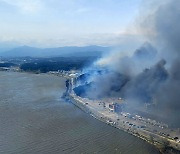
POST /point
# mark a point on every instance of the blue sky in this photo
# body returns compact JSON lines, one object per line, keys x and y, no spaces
{"x":66,"y":22}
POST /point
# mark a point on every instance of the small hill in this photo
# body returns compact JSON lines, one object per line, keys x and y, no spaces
{"x":25,"y":51}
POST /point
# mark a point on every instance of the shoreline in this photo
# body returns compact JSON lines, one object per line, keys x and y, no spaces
{"x":86,"y":110}
{"x":144,"y":135}
{"x":46,"y":116}
{"x":153,"y":139}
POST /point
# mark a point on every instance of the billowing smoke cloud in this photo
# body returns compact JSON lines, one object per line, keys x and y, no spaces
{"x":148,"y":76}
{"x":130,"y":65}
{"x":167,"y":28}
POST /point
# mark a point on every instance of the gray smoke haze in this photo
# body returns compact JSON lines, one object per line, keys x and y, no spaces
{"x":167,"y":28}
{"x":153,"y":71}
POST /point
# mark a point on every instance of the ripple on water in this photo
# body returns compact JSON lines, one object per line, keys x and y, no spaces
{"x":34,"y":120}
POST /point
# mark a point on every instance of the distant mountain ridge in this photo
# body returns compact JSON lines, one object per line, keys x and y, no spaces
{"x":25,"y":51}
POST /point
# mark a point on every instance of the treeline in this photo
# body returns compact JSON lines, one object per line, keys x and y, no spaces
{"x":44,"y":65}
{"x":7,"y":64}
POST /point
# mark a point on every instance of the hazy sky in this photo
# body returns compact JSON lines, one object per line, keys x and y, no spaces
{"x":66,"y":22}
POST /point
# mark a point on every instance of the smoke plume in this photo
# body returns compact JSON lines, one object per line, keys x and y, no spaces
{"x":152,"y":73}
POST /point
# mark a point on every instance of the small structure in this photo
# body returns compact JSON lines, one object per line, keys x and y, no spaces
{"x":115,"y":107}
{"x":111,"y":107}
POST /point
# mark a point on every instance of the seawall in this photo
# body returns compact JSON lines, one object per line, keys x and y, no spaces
{"x":164,"y":145}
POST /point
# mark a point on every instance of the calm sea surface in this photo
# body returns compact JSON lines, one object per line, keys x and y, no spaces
{"x":34,"y":120}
